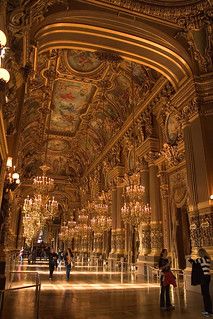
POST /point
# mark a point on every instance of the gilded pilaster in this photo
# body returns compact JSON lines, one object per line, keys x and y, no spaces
{"x":156,"y":223}
{"x":144,"y":228}
{"x":164,"y":192}
{"x":156,"y":219}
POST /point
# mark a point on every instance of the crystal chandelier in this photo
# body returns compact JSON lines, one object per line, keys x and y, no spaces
{"x":43,"y":184}
{"x":135,"y":213}
{"x":83,"y":228}
{"x":37,"y":211}
{"x":134,"y":190}
{"x":101,"y":223}
{"x":64,"y":233}
{"x":32,"y":226}
{"x":40,"y":206}
{"x":134,"y":210}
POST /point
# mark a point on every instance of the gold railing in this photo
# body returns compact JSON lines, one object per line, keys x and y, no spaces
{"x":37,"y":285}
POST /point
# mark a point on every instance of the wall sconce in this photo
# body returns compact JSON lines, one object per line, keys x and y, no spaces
{"x":12,"y":179}
{"x":3,"y":39}
{"x":4,"y":74}
{"x":211,"y":200}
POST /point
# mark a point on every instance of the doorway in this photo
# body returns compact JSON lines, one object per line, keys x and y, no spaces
{"x":183,"y":242}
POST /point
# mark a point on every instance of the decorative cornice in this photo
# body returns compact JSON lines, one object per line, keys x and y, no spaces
{"x":160,"y":10}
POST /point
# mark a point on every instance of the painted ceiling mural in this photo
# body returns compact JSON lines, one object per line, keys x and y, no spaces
{"x":82,"y":61}
{"x":90,"y":100}
{"x":70,"y":100}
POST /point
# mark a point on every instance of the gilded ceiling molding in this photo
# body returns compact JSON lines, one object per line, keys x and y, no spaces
{"x":143,"y":45}
{"x":162,"y":10}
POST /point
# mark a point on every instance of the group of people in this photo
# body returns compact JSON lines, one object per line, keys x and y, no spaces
{"x":167,"y":278}
{"x":55,"y":261}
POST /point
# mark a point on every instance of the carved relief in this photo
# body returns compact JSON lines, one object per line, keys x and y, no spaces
{"x":195,"y":231}
{"x":198,"y":34}
{"x":172,"y":154}
{"x":145,"y":239}
{"x":179,"y":188}
{"x":156,"y":236}
{"x":206,"y":230}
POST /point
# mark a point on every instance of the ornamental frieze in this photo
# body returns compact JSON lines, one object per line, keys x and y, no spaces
{"x":149,"y":8}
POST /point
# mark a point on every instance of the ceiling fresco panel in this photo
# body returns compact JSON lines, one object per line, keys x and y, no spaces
{"x":57,"y":145}
{"x":82,"y":61}
{"x":70,"y":101}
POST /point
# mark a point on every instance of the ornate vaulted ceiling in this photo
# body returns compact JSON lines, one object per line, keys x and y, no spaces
{"x":84,"y":70}
{"x":88,"y":100}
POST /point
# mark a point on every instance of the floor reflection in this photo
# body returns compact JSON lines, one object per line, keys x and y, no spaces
{"x":91,"y":295}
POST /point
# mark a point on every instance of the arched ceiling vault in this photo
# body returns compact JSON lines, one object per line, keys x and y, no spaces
{"x":80,"y":103}
{"x":91,"y":30}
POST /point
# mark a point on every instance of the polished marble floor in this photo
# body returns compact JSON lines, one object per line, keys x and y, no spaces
{"x":92,"y":294}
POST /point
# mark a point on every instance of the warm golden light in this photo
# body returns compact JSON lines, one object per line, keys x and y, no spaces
{"x":4,"y":75}
{"x":3,"y":39}
{"x":9,"y":162}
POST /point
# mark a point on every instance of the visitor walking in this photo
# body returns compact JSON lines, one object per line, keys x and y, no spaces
{"x":68,"y":259}
{"x":52,"y":262}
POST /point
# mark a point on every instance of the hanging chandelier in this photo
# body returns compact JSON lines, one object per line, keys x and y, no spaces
{"x":43,"y":184}
{"x":37,"y":211}
{"x":134,"y":210}
{"x":135,"y":213}
{"x":134,"y":190}
{"x":41,"y":206}
{"x":101,"y":223}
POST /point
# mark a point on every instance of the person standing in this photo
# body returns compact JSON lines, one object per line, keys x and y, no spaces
{"x":52,"y":262}
{"x":68,"y":258}
{"x":164,"y":266}
{"x":205,"y":262}
{"x":21,"y":253}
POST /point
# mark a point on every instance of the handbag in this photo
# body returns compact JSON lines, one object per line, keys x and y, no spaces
{"x":169,"y":278}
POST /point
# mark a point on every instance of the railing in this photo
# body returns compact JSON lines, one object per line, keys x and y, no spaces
{"x":154,"y":273}
{"x":36,"y":285}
